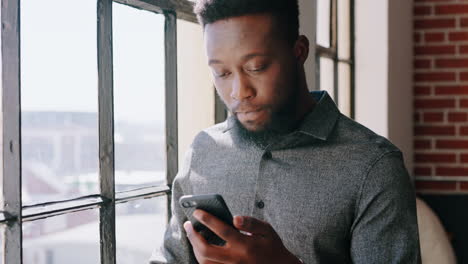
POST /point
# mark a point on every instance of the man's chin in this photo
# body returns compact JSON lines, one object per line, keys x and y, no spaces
{"x":253,"y":127}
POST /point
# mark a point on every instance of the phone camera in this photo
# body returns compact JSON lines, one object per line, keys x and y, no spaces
{"x":186,"y":205}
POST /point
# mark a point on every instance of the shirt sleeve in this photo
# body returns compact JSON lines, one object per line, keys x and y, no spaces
{"x":385,"y":228}
{"x":176,"y":248}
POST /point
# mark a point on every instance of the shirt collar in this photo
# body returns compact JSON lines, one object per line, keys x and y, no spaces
{"x":318,"y":123}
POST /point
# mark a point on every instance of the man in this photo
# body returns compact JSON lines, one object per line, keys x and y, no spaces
{"x":309,"y":184}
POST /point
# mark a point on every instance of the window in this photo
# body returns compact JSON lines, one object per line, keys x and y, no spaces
{"x":335,"y":52}
{"x":90,"y":128}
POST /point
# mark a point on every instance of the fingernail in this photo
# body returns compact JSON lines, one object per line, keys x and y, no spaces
{"x":240,"y":220}
{"x":196,"y":214}
{"x":187,"y":228}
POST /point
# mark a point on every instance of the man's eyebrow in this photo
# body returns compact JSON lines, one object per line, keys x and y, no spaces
{"x":256,"y":54}
{"x":245,"y":57}
{"x":213,"y":61}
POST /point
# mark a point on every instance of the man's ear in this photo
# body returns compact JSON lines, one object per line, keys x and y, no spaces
{"x":301,"y":49}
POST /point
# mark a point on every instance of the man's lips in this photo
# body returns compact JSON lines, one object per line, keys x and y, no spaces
{"x":251,"y":115}
{"x":248,"y":111}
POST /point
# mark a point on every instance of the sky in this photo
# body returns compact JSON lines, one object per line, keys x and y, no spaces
{"x":59,"y":59}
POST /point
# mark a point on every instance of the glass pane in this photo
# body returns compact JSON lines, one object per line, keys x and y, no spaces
{"x":323,"y":22}
{"x":139,"y":97}
{"x":344,"y":29}
{"x":70,"y":238}
{"x":58,"y":99}
{"x":344,"y":88}
{"x":327,"y":76}
{"x":140,"y":227}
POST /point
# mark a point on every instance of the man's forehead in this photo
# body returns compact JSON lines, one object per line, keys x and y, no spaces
{"x":239,"y":32}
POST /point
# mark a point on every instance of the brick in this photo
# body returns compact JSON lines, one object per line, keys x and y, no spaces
{"x":451,"y":9}
{"x":422,"y":171}
{"x":422,"y":144}
{"x":451,"y":90}
{"x":422,"y":90}
{"x":451,"y":171}
{"x":435,"y":158}
{"x":434,"y":37}
{"x":458,"y":36}
{"x":416,"y":37}
{"x":434,"y":130}
{"x":435,"y":50}
{"x":464,"y":103}
{"x":434,"y":76}
{"x":422,"y":64}
{"x":464,"y":22}
{"x":464,"y":186}
{"x":463,"y":49}
{"x":416,"y":117}
{"x":464,"y":76}
{"x":434,"y":103}
{"x":435,"y":185}
{"x":464,"y":158}
{"x":464,"y":131}
{"x":457,"y":117}
{"x":433,"y":117}
{"x":434,"y":23}
{"x":452,"y":144}
{"x":452,"y":63}
{"x":422,"y":10}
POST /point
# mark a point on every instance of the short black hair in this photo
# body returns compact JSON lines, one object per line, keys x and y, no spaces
{"x":286,"y":12}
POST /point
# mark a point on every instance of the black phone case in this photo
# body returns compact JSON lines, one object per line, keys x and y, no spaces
{"x":211,"y":203}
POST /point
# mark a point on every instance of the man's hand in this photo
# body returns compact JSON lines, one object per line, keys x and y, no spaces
{"x":261,"y":246}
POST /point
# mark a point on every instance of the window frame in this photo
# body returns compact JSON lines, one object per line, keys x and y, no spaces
{"x":332,"y":53}
{"x":13,"y":214}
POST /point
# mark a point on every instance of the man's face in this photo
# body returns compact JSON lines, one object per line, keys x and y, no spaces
{"x":254,"y":69}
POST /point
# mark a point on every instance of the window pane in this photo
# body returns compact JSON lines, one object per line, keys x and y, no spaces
{"x":58,"y":99}
{"x":70,"y":238}
{"x":138,"y":97}
{"x":323,"y":22}
{"x":344,"y":88}
{"x":344,"y":29}
{"x":327,"y":76}
{"x":140,"y":227}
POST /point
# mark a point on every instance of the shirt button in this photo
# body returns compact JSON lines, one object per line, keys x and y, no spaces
{"x":267,"y":155}
{"x":260,"y":204}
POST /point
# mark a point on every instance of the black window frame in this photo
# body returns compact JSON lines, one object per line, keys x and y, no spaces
{"x":331,"y":52}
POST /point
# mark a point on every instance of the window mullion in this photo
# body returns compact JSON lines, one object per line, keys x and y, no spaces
{"x":170,"y":31}
{"x":106,"y":132}
{"x":11,"y":105}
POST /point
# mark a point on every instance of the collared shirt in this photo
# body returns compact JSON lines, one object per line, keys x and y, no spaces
{"x":333,"y":190}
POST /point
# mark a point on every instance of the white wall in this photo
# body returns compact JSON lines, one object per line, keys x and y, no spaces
{"x":195,"y":88}
{"x":384,"y":70}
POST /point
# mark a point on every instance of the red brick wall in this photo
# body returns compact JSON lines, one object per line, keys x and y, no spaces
{"x":441,"y":95}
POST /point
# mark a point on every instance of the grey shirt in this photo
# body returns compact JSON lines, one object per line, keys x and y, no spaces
{"x":334,"y":191}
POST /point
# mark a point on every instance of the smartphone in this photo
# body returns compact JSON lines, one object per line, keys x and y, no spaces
{"x":211,"y":203}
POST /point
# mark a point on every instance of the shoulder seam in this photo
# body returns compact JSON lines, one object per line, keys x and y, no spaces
{"x":364,"y":179}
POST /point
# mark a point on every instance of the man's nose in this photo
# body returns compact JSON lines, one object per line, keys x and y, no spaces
{"x":242,"y":89}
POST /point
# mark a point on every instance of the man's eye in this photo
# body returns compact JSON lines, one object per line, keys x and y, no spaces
{"x":258,"y":69}
{"x":221,"y":75}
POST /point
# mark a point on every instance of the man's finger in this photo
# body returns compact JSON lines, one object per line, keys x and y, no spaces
{"x":201,"y":247}
{"x":223,"y":230}
{"x":254,"y":226}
